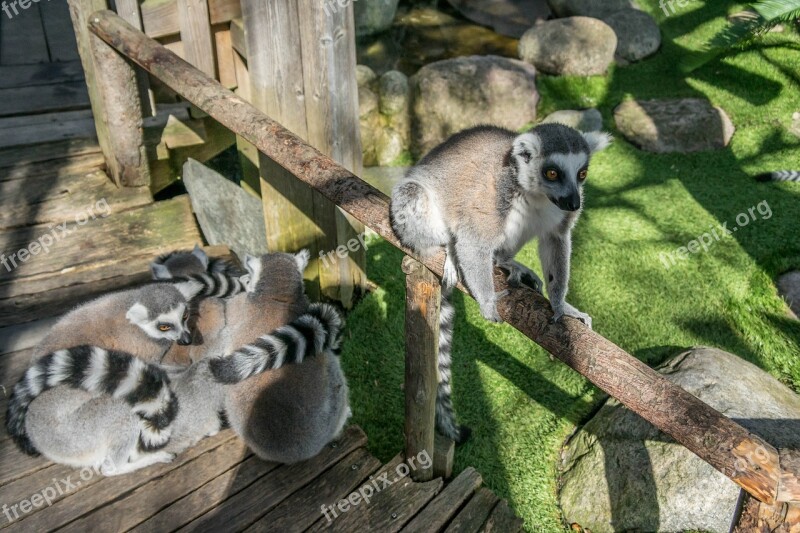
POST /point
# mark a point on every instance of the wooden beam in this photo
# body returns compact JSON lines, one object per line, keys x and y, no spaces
{"x":745,"y":458}
{"x":114,"y":96}
{"x":132,"y":13}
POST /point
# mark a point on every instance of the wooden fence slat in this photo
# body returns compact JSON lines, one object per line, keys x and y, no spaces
{"x":745,"y":458}
{"x":198,"y":43}
{"x":438,"y":513}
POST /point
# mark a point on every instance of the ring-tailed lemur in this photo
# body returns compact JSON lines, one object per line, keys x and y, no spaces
{"x":779,"y":175}
{"x":167,"y":415}
{"x":184,"y":263}
{"x":483,"y":194}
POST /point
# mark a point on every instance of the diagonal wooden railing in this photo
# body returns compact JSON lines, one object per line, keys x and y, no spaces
{"x":768,"y":474}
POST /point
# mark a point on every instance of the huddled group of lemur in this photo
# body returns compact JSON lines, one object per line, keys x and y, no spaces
{"x":135,"y":377}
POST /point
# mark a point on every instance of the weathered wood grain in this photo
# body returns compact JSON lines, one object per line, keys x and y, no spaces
{"x":64,"y":157}
{"x":61,"y":45}
{"x":423,"y":298}
{"x":22,"y":39}
{"x":160,"y":17}
{"x":195,"y":29}
{"x":225,"y":68}
{"x":23,"y":76}
{"x":703,"y":430}
{"x":502,"y":520}
{"x":244,"y":508}
{"x":56,"y":129}
{"x":43,"y":98}
{"x":132,"y":13}
{"x":443,"y":507}
{"x":474,"y":514}
{"x":208,"y":496}
{"x":302,"y":509}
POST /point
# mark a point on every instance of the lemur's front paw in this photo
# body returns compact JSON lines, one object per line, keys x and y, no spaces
{"x":568,"y":310}
{"x":489,"y":309}
{"x":519,"y":274}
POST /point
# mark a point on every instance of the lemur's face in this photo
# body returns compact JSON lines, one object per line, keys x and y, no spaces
{"x":171,"y":325}
{"x":553,"y":160}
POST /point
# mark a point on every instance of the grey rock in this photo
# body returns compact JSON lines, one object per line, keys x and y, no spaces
{"x":578,"y":46}
{"x":394,"y":93}
{"x":674,"y":125}
{"x":583,"y":120}
{"x":638,"y":35}
{"x":389,"y":146}
{"x":365,"y":76}
{"x":619,"y":473}
{"x":506,"y":17}
{"x":589,"y":8}
{"x":227,"y":213}
{"x":373,"y":16}
{"x":789,"y":289}
{"x":451,"y":95}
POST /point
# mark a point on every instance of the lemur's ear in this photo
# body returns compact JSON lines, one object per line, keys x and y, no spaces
{"x":189,"y":289}
{"x":253,"y":266}
{"x":137,"y":314}
{"x":597,"y":140}
{"x":160,"y":271}
{"x":302,"y":257}
{"x":526,"y":147}
{"x":200,"y":255}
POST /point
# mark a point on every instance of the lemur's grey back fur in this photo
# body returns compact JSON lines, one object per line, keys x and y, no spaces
{"x":779,"y":175}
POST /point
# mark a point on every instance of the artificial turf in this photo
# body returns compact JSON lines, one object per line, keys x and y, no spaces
{"x":520,"y":404}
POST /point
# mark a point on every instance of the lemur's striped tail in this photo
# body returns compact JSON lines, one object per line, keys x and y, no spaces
{"x":779,"y":175}
{"x":445,"y":414}
{"x":216,"y":284}
{"x":315,"y":332}
{"x":143,"y":386}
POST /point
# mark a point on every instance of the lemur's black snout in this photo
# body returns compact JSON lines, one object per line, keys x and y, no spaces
{"x":186,"y":339}
{"x":570,"y":202}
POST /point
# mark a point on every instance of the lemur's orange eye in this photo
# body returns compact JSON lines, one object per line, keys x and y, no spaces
{"x":551,"y":174}
{"x":164,"y":327}
{"x":582,"y":174}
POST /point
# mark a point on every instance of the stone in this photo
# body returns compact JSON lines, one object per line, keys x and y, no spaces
{"x":577,"y":46}
{"x":227,"y":214}
{"x":394,"y":93}
{"x":365,"y":76}
{"x":583,"y":120}
{"x":373,"y":16}
{"x":674,"y":125}
{"x":794,"y":129}
{"x":637,"y":32}
{"x":390,"y":146}
{"x":506,"y":17}
{"x":455,"y":94}
{"x":789,"y":289}
{"x":619,"y":473}
{"x":589,"y":8}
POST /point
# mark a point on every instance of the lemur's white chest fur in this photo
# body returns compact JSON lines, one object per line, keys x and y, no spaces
{"x":530,"y":216}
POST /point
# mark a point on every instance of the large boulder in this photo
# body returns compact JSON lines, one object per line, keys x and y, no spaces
{"x":373,"y":16}
{"x":619,"y":473}
{"x":589,"y":8}
{"x":674,"y":125}
{"x":583,"y":120}
{"x":579,"y":46}
{"x":638,"y":35}
{"x":451,"y":95}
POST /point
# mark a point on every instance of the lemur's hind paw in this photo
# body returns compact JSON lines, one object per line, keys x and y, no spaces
{"x":519,"y":274}
{"x":574,"y":313}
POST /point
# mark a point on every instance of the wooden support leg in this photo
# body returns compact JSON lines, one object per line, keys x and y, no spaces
{"x":423,"y":299}
{"x":114,"y":95}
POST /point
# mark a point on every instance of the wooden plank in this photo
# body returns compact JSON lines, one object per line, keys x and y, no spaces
{"x":198,"y":43}
{"x":474,"y":514}
{"x":438,"y":512}
{"x":238,"y":40}
{"x":24,"y":161}
{"x":208,"y":496}
{"x":225,"y":67}
{"x":155,"y":495}
{"x":98,"y":490}
{"x":58,"y":31}
{"x":397,"y":501}
{"x":160,"y":17}
{"x":16,"y":76}
{"x":114,"y":96}
{"x":44,"y":98}
{"x":502,"y":520}
{"x":56,"y":130}
{"x":22,"y":38}
{"x":76,"y":270}
{"x":302,"y":508}
{"x":244,"y":508}
{"x":45,"y":199}
{"x":720,"y":441}
{"x":79,"y":164}
{"x":44,"y":120}
{"x":17,"y":464}
{"x":423,"y":298}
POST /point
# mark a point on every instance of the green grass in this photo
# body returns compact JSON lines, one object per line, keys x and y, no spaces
{"x":521,"y":405}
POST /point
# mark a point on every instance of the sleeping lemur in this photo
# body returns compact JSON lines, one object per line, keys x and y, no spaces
{"x":482,"y":195}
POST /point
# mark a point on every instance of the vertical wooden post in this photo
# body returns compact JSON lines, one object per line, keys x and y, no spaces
{"x":114,"y":96}
{"x":301,"y":62}
{"x":132,"y":13}
{"x":423,"y":303}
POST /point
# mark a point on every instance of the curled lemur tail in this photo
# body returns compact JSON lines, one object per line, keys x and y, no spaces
{"x":779,"y":175}
{"x":143,"y":386}
{"x":215,"y":284}
{"x":445,"y":414}
{"x":316,"y":331}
